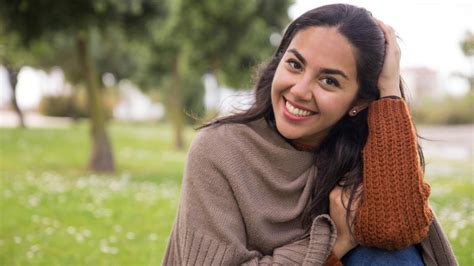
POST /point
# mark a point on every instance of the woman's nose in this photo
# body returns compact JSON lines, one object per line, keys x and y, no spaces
{"x":302,"y":90}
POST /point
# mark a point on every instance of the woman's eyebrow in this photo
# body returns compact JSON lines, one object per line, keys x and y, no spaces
{"x":298,"y":55}
{"x":329,"y":71}
{"x":334,"y":72}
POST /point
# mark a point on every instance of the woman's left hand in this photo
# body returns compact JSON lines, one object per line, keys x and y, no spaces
{"x":389,"y":79}
{"x":338,"y":201}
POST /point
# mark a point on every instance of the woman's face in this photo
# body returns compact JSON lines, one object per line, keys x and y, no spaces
{"x":315,"y":84}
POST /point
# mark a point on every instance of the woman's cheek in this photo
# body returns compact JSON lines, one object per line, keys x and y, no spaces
{"x":331,"y":103}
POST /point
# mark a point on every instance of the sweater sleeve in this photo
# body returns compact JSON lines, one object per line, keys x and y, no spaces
{"x":209,"y":228}
{"x":394,"y":212}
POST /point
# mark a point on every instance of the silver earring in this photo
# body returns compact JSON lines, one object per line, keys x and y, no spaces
{"x":354,"y":112}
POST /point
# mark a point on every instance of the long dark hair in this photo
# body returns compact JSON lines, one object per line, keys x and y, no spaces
{"x":339,"y":157}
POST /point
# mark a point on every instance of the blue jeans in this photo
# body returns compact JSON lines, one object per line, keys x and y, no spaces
{"x":374,"y":256}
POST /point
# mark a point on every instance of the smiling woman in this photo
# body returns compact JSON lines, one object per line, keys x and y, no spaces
{"x":324,"y":167}
{"x":315,"y":84}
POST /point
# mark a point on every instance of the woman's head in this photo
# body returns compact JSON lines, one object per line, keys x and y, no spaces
{"x":327,"y":65}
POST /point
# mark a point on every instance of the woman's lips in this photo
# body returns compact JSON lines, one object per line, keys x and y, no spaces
{"x":298,"y":106}
{"x":290,"y":115}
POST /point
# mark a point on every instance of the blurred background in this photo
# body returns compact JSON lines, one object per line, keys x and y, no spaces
{"x":98,"y":101}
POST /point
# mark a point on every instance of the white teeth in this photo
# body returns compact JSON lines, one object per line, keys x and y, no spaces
{"x":296,"y":111}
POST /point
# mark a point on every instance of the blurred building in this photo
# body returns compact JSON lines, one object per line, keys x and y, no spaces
{"x":33,"y":84}
{"x":225,"y":100}
{"x":134,"y":105}
{"x":422,"y":82}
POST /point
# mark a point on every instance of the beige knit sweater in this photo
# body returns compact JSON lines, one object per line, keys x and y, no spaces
{"x":243,"y":194}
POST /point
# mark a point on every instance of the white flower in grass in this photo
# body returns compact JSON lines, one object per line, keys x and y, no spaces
{"x":30,"y":254}
{"x":130,"y":235}
{"x":113,"y":239}
{"x":7,"y":194}
{"x":453,"y":234}
{"x":17,"y":239}
{"x":33,"y":201}
{"x":105,"y":248}
{"x":81,"y":183}
{"x":152,"y":237}
{"x":35,"y":248}
{"x":117,"y":185}
{"x":45,"y":221}
{"x":79,"y":238}
{"x":86,"y":233}
{"x":35,"y":218}
{"x":118,"y":228}
{"x":71,"y":230}
{"x":49,"y":231}
{"x":113,"y":250}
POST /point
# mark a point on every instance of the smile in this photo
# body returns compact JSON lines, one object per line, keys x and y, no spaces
{"x":295,"y":111}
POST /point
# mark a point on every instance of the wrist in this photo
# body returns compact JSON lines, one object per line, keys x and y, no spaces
{"x":341,"y":247}
{"x":390,"y":92}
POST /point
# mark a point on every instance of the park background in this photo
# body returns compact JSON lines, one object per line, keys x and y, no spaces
{"x":98,"y":101}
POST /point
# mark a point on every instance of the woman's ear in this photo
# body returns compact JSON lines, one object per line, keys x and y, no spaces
{"x":358,"y":106}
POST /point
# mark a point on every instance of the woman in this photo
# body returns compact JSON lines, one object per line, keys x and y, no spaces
{"x":278,"y":184}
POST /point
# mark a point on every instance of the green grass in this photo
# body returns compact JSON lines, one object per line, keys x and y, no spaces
{"x":55,"y":212}
{"x":452,"y":199}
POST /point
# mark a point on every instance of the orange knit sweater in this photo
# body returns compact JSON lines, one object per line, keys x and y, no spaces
{"x":394,"y":212}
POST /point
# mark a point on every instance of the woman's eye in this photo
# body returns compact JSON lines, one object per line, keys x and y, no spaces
{"x":294,"y":64}
{"x":330,"y":81}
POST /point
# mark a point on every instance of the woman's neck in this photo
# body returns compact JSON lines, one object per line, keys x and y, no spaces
{"x":302,"y":146}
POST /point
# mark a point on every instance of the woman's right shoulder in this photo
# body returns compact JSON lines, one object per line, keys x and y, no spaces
{"x":215,"y":139}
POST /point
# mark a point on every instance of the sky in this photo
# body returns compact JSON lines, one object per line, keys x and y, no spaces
{"x":430,"y":30}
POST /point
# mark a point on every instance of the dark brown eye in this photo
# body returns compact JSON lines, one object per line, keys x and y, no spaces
{"x":330,"y":82}
{"x":294,"y":64}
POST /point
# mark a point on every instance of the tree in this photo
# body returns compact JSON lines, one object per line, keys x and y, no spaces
{"x":467,"y":47}
{"x":13,"y":57}
{"x":77,"y":20}
{"x":225,"y":38}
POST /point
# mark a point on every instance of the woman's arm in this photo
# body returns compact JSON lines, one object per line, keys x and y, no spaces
{"x":209,"y":228}
{"x":394,"y":212}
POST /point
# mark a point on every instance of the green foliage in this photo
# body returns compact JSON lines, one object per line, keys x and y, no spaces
{"x":76,"y":105}
{"x":226,"y":39}
{"x":449,"y":111}
{"x":467,"y":44}
{"x":33,"y":19}
{"x":62,"y":106}
{"x":47,"y":32}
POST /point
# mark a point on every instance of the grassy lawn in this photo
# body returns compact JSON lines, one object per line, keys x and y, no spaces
{"x":54,"y":212}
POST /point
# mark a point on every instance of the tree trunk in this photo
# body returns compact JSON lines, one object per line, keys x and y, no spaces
{"x":175,"y":106}
{"x":101,"y":159}
{"x":13,"y":76}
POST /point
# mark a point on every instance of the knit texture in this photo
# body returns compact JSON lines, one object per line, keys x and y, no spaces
{"x":244,"y":190}
{"x":243,"y":193}
{"x":395,"y":212}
